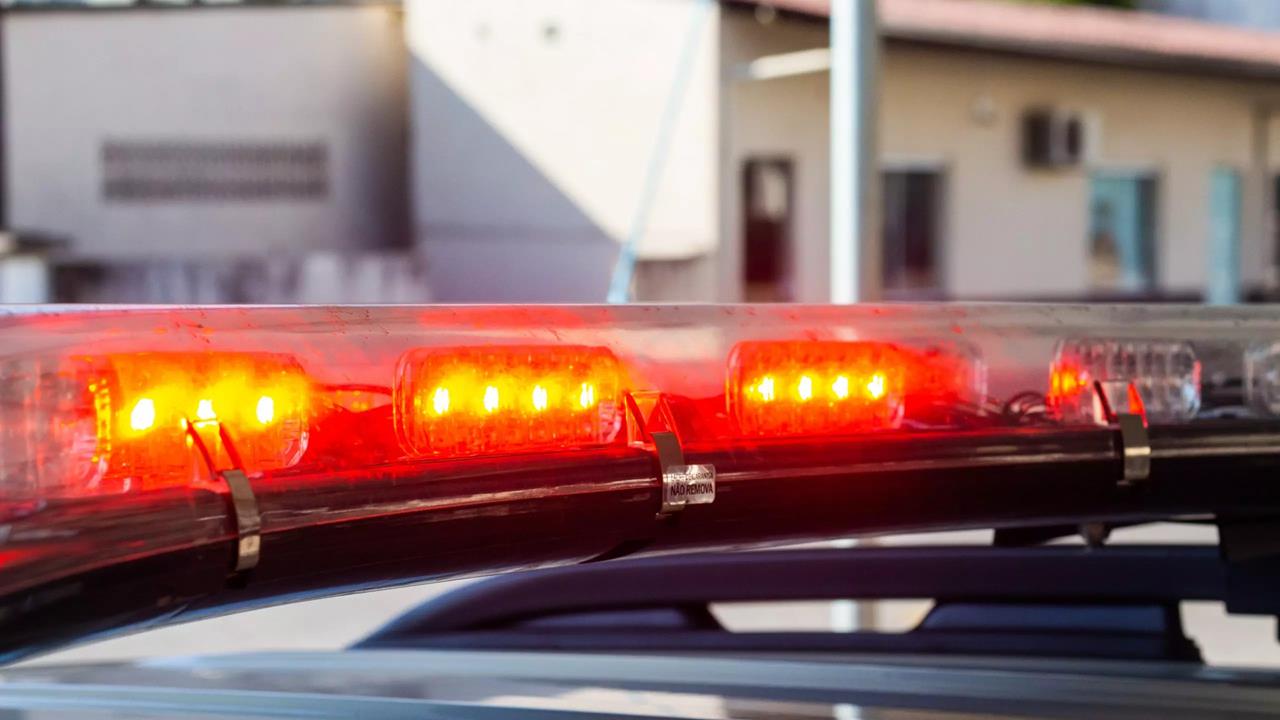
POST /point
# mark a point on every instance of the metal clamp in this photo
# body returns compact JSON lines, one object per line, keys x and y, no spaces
{"x":1135,"y":448}
{"x":248,"y":521}
{"x":244,"y":504}
{"x":1135,"y":442}
{"x":682,"y":484}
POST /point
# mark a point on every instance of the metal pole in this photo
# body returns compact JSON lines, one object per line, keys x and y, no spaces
{"x":4,"y":124}
{"x":1262,"y":206}
{"x":854,"y":259}
{"x":855,"y":247}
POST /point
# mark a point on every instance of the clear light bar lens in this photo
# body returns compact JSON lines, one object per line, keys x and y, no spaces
{"x":1262,"y":378}
{"x":52,"y":414}
{"x":1164,"y":374}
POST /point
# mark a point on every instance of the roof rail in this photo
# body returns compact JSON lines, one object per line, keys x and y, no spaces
{"x":1116,"y":602}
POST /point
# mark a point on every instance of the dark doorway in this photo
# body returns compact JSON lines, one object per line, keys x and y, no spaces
{"x":912,"y":226}
{"x":768,"y":193}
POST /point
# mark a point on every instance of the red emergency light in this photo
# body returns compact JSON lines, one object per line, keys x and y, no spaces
{"x":809,"y":387}
{"x":473,"y":400}
{"x":804,"y":388}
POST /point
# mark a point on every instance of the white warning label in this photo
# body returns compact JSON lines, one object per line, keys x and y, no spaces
{"x":688,"y":485}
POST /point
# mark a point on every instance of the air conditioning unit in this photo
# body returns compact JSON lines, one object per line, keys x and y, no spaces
{"x":1052,"y":138}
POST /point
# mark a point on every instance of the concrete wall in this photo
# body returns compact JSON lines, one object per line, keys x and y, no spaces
{"x":329,"y":77}
{"x":533,"y":129}
{"x":1007,"y":231}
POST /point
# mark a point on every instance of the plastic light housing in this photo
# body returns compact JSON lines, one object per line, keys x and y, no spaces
{"x":1156,"y":378}
{"x":52,"y":415}
{"x":116,"y":422}
{"x":1262,"y":378}
{"x":943,"y":377}
{"x":473,"y":400}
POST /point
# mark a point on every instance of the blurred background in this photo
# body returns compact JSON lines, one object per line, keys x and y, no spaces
{"x":650,"y":150}
{"x":503,"y":151}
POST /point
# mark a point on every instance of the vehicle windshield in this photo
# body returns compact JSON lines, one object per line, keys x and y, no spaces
{"x":707,"y":172}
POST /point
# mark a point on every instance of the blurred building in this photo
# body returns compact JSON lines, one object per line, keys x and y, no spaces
{"x":1026,"y":150}
{"x":534,"y":129}
{"x":209,"y":153}
{"x":497,"y":150}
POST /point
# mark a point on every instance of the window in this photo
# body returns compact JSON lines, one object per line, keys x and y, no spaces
{"x":912,"y":222}
{"x":767,"y":195}
{"x":1224,"y":237}
{"x":1122,"y":231}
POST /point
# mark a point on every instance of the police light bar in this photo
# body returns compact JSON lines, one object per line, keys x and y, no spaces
{"x":291,"y":449}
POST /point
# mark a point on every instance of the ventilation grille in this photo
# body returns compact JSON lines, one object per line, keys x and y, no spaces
{"x":148,"y":171}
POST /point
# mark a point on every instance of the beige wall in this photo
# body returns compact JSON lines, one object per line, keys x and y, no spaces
{"x":1014,"y":231}
{"x":785,"y":118}
{"x":332,"y":75}
{"x":1007,"y":231}
{"x":533,"y":129}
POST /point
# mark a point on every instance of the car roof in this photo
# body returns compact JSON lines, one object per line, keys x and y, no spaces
{"x":396,"y":683}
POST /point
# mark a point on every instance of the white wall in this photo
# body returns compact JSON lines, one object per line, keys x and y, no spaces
{"x":329,"y":74}
{"x":533,"y":125}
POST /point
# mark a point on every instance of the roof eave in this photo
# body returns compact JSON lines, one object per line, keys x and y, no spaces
{"x":1086,"y":54}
